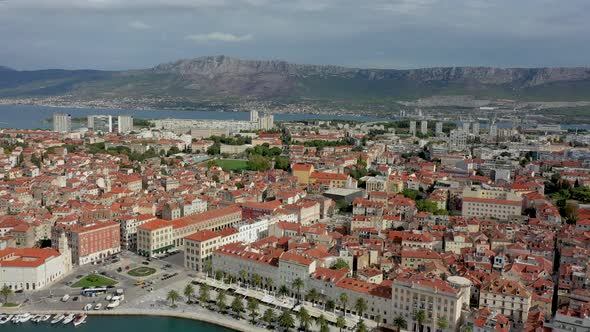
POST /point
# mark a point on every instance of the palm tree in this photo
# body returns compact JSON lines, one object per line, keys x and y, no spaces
{"x":378,"y":319}
{"x":268,"y":317}
{"x":243,"y":275}
{"x":283,"y":290}
{"x":269,"y":283}
{"x":360,"y":306}
{"x":304,"y":319}
{"x":230,"y":279}
{"x":253,"y":308}
{"x":297,"y":285}
{"x":5,"y":291}
{"x":256,"y":280}
{"x":420,"y":317}
{"x":467,"y":329}
{"x":313,"y":295}
{"x":286,"y":320}
{"x":330,"y":305}
{"x":208,"y":266}
{"x":218,"y":275}
{"x":189,"y":291}
{"x":321,"y":321}
{"x":343,"y":301}
{"x":204,"y":296}
{"x":340,"y":322}
{"x":221,"y":301}
{"x":172,"y":296}
{"x":237,"y":306}
{"x":400,"y":322}
{"x":442,"y":323}
{"x":361,"y":327}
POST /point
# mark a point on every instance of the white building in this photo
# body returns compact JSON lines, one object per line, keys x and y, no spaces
{"x":424,"y":127}
{"x":457,"y":140}
{"x":439,"y":128}
{"x":32,"y":268}
{"x":62,"y":123}
{"x":413,"y":128}
{"x":435,"y":297}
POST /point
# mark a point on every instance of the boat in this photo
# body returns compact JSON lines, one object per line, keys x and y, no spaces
{"x":81,"y":318}
{"x":16,"y":319}
{"x":68,"y":319}
{"x":6,"y":319}
{"x":98,"y":306}
{"x":35,"y":318}
{"x":88,"y":306}
{"x":58,"y":318}
{"x":113,"y":304}
{"x":25,"y":317}
{"x":43,"y":318}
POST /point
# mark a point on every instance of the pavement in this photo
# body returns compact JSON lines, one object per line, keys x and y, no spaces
{"x":148,"y":300}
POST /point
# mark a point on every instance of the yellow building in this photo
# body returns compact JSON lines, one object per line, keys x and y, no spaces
{"x":302,"y":172}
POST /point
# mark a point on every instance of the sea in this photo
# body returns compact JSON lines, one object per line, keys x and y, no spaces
{"x":35,"y":117}
{"x":120,"y":324}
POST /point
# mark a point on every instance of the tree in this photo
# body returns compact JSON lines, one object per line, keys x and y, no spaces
{"x":400,"y":322}
{"x":361,"y":327}
{"x":340,"y":264}
{"x":221,"y":298}
{"x":204,"y":295}
{"x":253,"y":308}
{"x":269,"y":317}
{"x":283,"y":290}
{"x":208,"y":266}
{"x":304,"y":319}
{"x":286,"y":320}
{"x":256,"y":280}
{"x":243,"y":274}
{"x":237,"y":305}
{"x":189,"y":291}
{"x":343,"y":302}
{"x":378,"y":319}
{"x":297,"y":285}
{"x":330,"y":305}
{"x":340,"y":322}
{"x":360,"y":306}
{"x":442,"y":323}
{"x":282,"y":163}
{"x":258,"y":163}
{"x":172,"y":296}
{"x":321,"y":322}
{"x":218,"y":275}
{"x":420,"y":317}
{"x":313,"y":295}
{"x":269,"y":283}
{"x":5,"y":291}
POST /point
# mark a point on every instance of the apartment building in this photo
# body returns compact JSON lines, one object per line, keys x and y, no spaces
{"x":91,"y":243}
{"x":158,"y":236}
{"x":508,"y":297}
{"x":499,"y":204}
{"x":435,"y":297}
{"x":199,"y":247}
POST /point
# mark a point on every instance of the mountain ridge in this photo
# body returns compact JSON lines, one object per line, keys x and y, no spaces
{"x":224,"y":76}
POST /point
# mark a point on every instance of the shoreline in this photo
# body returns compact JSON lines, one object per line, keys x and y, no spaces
{"x":230,"y":323}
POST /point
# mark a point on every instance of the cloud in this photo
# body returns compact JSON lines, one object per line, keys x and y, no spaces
{"x":219,"y":37}
{"x":139,"y":25}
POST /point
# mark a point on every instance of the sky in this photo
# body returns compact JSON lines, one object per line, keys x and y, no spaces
{"x":128,"y":34}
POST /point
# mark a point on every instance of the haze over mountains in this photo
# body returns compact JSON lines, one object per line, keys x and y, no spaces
{"x":222,"y":77}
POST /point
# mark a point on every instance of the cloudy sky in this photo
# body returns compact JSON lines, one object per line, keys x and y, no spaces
{"x":121,"y":34}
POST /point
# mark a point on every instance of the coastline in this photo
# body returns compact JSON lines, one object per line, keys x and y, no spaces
{"x":230,"y":323}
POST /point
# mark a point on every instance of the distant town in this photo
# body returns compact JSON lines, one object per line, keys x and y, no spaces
{"x":478,"y":222}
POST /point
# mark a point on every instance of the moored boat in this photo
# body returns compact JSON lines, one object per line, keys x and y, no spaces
{"x":58,"y":318}
{"x":80,"y":318}
{"x":68,"y":319}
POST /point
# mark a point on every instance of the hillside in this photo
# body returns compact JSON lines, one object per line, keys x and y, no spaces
{"x":221,"y":77}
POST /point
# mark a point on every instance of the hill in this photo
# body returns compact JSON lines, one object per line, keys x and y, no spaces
{"x":222,"y":77}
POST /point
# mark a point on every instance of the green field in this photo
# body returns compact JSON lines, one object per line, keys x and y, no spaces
{"x":232,"y":164}
{"x":142,"y":271}
{"x":94,"y":280}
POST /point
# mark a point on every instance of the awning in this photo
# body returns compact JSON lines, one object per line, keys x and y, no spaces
{"x":159,"y":250}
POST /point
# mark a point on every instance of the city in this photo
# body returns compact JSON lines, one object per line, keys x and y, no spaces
{"x":417,"y":224}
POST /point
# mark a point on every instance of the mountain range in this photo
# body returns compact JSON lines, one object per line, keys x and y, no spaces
{"x":226,"y":77}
